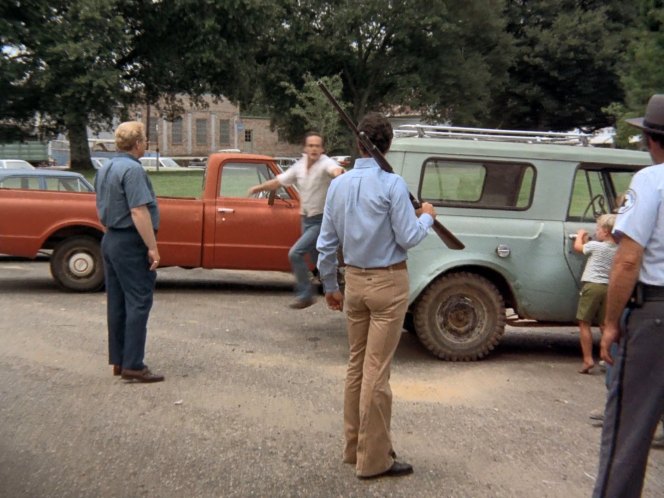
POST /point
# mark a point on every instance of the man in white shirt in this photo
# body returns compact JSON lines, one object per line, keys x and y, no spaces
{"x":312,"y":174}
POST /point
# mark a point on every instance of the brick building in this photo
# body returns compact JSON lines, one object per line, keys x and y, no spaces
{"x":200,"y":132}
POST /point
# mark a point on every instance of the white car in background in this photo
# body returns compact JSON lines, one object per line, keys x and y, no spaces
{"x":99,"y":162}
{"x":15,"y":164}
{"x":285,"y":162}
{"x":165,"y":164}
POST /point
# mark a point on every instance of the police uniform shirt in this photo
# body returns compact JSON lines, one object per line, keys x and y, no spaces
{"x":641,"y":217}
{"x":121,"y":185}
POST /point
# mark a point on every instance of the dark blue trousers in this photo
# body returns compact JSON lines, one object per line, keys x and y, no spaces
{"x":129,"y":290}
{"x":634,"y":405}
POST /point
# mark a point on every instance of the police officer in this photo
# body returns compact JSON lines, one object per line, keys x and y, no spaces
{"x":636,"y":396}
{"x":127,"y":207}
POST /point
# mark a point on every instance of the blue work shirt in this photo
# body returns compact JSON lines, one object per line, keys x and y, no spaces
{"x":368,"y":211}
{"x":121,"y":185}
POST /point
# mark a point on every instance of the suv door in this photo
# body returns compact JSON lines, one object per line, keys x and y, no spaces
{"x":596,"y":191}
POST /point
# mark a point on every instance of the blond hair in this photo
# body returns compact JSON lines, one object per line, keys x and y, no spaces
{"x":607,"y":221}
{"x":128,"y":134}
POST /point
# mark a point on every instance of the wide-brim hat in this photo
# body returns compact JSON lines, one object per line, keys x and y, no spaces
{"x":653,"y":121}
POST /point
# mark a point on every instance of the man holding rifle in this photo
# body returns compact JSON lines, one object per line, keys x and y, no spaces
{"x":368,"y":212}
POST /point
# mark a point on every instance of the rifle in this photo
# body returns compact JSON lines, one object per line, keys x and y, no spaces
{"x":445,"y":235}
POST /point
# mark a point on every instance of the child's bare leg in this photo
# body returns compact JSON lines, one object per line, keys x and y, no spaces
{"x":586,"y":340}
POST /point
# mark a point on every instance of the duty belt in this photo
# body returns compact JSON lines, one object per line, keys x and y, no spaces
{"x":653,"y":292}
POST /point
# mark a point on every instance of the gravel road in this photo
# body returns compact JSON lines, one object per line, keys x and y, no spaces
{"x":252,"y":402}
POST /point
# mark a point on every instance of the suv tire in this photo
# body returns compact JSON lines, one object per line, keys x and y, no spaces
{"x":460,"y":317}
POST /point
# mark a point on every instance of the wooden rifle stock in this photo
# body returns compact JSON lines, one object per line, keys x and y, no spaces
{"x":443,"y":233}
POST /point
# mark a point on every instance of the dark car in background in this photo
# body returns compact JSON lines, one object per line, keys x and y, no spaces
{"x":44,"y":179}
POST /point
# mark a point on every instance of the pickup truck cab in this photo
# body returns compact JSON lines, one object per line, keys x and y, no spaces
{"x":225,"y":228}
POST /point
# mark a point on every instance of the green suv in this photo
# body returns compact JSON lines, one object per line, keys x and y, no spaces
{"x":516,"y":200}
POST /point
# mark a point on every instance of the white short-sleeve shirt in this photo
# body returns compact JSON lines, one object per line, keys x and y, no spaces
{"x":312,"y":183}
{"x":641,"y":217}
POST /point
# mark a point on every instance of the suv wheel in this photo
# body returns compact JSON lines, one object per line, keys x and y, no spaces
{"x":460,"y":317}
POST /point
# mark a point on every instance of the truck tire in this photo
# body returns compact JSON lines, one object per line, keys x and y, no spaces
{"x":460,"y":317}
{"x":77,"y":265}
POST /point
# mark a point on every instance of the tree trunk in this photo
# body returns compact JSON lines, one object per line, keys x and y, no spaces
{"x":79,"y":149}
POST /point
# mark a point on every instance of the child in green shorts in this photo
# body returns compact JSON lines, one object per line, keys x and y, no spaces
{"x":595,"y":281}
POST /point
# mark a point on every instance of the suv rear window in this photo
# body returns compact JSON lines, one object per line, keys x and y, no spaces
{"x":473,"y":184}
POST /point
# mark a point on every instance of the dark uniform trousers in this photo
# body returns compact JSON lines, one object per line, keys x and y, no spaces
{"x":129,"y":289}
{"x":635,"y":402}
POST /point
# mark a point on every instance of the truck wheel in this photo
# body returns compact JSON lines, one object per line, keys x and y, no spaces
{"x":76,"y":264}
{"x":460,"y":317}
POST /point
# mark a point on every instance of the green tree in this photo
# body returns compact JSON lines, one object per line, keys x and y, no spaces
{"x":70,"y":53}
{"x":643,"y":73}
{"x":444,"y":58}
{"x":566,"y":68}
{"x":81,"y":62}
{"x":315,"y":111}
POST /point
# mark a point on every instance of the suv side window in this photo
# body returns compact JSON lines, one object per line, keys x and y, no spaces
{"x":472,"y":184}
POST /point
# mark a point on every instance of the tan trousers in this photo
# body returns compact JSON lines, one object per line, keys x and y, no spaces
{"x":376,"y":302}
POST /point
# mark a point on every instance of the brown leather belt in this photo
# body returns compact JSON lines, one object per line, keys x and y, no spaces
{"x":395,"y":266}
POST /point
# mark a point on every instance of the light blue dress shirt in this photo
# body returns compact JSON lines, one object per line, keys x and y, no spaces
{"x":368,"y":212}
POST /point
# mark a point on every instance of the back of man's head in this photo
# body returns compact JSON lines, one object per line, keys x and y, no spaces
{"x":127,"y":134}
{"x":378,"y":129}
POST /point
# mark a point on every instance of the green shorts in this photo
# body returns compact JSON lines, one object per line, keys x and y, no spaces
{"x":592,"y":303}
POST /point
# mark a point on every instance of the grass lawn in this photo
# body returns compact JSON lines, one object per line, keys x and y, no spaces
{"x":171,"y":184}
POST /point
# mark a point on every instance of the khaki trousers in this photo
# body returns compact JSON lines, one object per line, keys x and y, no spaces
{"x":376,"y":302}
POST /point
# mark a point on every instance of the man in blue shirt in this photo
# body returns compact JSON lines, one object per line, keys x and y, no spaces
{"x":636,"y":394}
{"x":369,"y":214}
{"x":127,"y":207}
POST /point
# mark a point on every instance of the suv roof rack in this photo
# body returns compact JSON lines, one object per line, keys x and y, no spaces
{"x":490,"y":134}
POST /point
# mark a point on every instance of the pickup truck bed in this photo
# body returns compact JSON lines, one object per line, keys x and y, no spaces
{"x":224,"y":229}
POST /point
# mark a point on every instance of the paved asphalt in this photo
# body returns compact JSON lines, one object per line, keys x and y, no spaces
{"x":252,"y":402}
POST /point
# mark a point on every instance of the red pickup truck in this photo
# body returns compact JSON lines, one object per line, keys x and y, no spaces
{"x":226,"y":228}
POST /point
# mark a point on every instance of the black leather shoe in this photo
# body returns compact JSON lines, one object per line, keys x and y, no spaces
{"x":300,"y":304}
{"x":397,"y":469}
{"x":141,"y":375}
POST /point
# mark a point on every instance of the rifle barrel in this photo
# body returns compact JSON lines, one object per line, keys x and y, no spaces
{"x":443,"y":233}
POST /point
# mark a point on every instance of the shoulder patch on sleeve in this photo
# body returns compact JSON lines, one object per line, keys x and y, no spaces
{"x":628,"y":201}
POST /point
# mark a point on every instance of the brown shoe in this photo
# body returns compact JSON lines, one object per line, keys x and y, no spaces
{"x":300,"y":304}
{"x":117,"y":370}
{"x":141,"y":375}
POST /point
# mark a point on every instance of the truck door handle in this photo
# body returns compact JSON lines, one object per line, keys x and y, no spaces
{"x":225,"y":210}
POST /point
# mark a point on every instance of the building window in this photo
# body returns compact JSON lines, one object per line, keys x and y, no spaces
{"x":176,"y":132}
{"x":224,"y":132}
{"x":248,"y":135}
{"x":152,"y":130}
{"x":201,"y":132}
